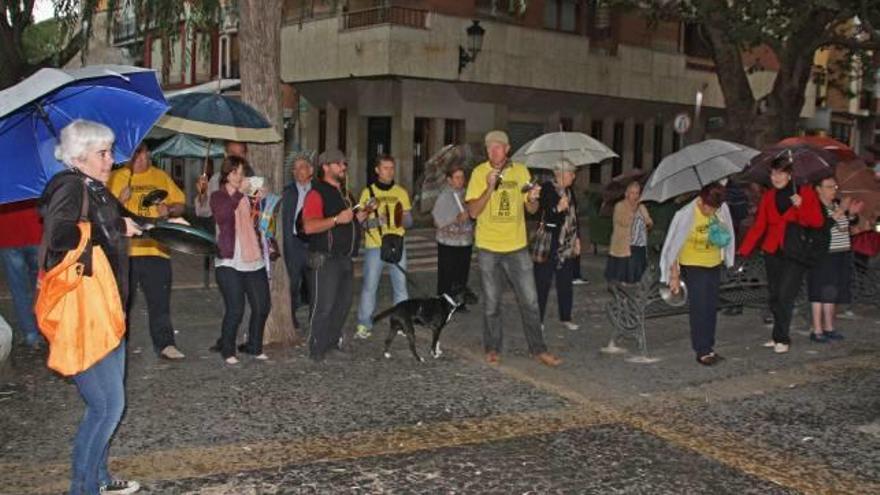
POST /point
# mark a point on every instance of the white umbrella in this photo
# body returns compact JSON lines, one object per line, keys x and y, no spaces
{"x":544,"y":151}
{"x":694,"y":166}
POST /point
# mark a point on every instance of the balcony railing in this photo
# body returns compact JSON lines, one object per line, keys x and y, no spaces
{"x":399,"y":16}
{"x":125,"y":31}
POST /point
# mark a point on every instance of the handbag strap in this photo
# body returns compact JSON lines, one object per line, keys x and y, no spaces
{"x":376,"y":211}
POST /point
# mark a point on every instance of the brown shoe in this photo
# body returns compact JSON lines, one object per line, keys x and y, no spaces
{"x":492,"y":358}
{"x":548,"y":359}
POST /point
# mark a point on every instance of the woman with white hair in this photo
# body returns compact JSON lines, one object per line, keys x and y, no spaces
{"x":86,"y":148}
{"x":556,"y":244}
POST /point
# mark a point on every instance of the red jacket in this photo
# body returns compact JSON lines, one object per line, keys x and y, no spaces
{"x":770,"y":225}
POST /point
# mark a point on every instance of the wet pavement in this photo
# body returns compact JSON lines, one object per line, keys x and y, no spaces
{"x":805,"y":422}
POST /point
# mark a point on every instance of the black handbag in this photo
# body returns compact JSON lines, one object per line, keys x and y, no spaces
{"x":391,"y":250}
{"x":806,"y":245}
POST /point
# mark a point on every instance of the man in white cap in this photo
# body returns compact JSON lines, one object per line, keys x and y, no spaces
{"x":496,"y":199}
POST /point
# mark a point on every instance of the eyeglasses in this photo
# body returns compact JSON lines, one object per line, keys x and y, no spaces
{"x":831,"y":186}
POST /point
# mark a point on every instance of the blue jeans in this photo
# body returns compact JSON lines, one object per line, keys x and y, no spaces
{"x":103,"y":391}
{"x":20,"y":264}
{"x":516,"y":267}
{"x":373,"y":266}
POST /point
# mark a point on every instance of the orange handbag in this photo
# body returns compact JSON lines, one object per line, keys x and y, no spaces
{"x":80,"y":316}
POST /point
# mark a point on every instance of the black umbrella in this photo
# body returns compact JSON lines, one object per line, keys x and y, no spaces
{"x":809,"y":164}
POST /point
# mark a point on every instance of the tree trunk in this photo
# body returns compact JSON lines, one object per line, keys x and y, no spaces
{"x":260,"y":43}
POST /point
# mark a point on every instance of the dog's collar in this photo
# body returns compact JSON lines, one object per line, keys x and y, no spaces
{"x":452,"y":303}
{"x":450,"y":300}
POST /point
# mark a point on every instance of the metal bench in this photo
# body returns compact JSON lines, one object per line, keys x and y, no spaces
{"x":632,"y":305}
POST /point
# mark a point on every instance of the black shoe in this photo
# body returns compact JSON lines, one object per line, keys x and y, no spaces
{"x":214,"y":348}
{"x":463,"y":309}
{"x":733,"y":311}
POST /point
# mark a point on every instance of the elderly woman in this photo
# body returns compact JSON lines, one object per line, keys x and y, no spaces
{"x":455,"y":234}
{"x":558,"y":214}
{"x":699,"y":241}
{"x":829,"y":280}
{"x":780,"y":206}
{"x":86,"y":148}
{"x":240,"y":268}
{"x":628,"y":253}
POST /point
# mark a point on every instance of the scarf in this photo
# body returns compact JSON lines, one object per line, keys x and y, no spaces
{"x":567,"y":233}
{"x":245,"y":233}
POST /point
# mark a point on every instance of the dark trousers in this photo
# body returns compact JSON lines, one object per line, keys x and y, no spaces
{"x":295,"y":262}
{"x":153,"y":275}
{"x":576,"y":269}
{"x":235,"y":286}
{"x":784,"y":279}
{"x":330,"y":286}
{"x":453,"y":267}
{"x":544,"y":274}
{"x":702,"y":288}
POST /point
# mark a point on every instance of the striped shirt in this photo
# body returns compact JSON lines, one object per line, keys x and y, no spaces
{"x":839,"y":233}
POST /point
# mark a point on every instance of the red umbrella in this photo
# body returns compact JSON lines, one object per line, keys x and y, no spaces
{"x":857,"y":181}
{"x":841,"y":150}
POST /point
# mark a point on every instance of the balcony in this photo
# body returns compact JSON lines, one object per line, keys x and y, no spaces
{"x":398,"y":16}
{"x":125,"y":31}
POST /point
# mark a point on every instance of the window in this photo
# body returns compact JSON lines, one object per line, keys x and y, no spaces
{"x":342,"y":130}
{"x":561,"y":15}
{"x":596,"y":170}
{"x":617,"y":146}
{"x":638,"y":145}
{"x":658,"y":143}
{"x":322,"y":130}
{"x":695,"y":44}
{"x":566,"y":124}
{"x":840,"y":131}
{"x":453,"y":131}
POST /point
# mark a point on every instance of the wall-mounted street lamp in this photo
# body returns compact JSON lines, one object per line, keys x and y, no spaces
{"x":475,"y":43}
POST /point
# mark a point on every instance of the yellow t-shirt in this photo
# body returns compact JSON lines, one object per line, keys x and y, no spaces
{"x":697,"y":251}
{"x":387,"y":202}
{"x":141,"y":184}
{"x":501,"y":226}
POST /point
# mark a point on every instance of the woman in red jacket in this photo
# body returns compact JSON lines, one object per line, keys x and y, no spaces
{"x":781,"y":205}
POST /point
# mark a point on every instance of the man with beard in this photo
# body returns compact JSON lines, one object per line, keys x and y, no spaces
{"x":334,"y":231}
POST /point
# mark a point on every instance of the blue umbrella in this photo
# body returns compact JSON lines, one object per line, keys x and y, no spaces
{"x":215,"y":116}
{"x":32,"y":113}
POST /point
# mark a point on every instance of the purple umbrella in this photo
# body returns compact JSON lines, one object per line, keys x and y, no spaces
{"x":809,"y":164}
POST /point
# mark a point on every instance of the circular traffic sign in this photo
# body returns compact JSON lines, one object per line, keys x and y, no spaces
{"x":682,"y":123}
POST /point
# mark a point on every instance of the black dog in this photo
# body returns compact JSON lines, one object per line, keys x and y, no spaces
{"x":431,"y":312}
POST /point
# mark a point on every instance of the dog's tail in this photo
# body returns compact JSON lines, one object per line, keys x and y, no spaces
{"x":384,"y":314}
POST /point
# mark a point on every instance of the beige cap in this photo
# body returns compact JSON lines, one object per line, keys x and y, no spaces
{"x":497,"y":136}
{"x":331,"y":156}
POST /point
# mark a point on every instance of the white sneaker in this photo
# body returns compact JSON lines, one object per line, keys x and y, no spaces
{"x":171,"y":352}
{"x":231,"y":360}
{"x":262,"y":357}
{"x":580,"y":281}
{"x":121,"y":487}
{"x":570,"y":325}
{"x":780,"y":348}
{"x":769,"y":343}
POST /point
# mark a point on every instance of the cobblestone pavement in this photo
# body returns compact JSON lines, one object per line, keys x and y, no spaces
{"x":806,"y":422}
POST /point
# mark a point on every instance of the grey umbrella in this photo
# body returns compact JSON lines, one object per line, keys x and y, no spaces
{"x":546,"y":150}
{"x":695,"y":166}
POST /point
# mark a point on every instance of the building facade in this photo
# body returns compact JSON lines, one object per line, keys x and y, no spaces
{"x":385,"y":76}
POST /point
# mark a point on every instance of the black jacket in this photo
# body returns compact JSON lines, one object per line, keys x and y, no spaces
{"x":289,"y":198}
{"x":61,"y":206}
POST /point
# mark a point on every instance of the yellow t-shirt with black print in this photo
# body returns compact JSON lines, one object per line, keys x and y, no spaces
{"x":387,"y":202}
{"x":142,"y":184}
{"x":501,"y":226}
{"x":697,"y":250}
